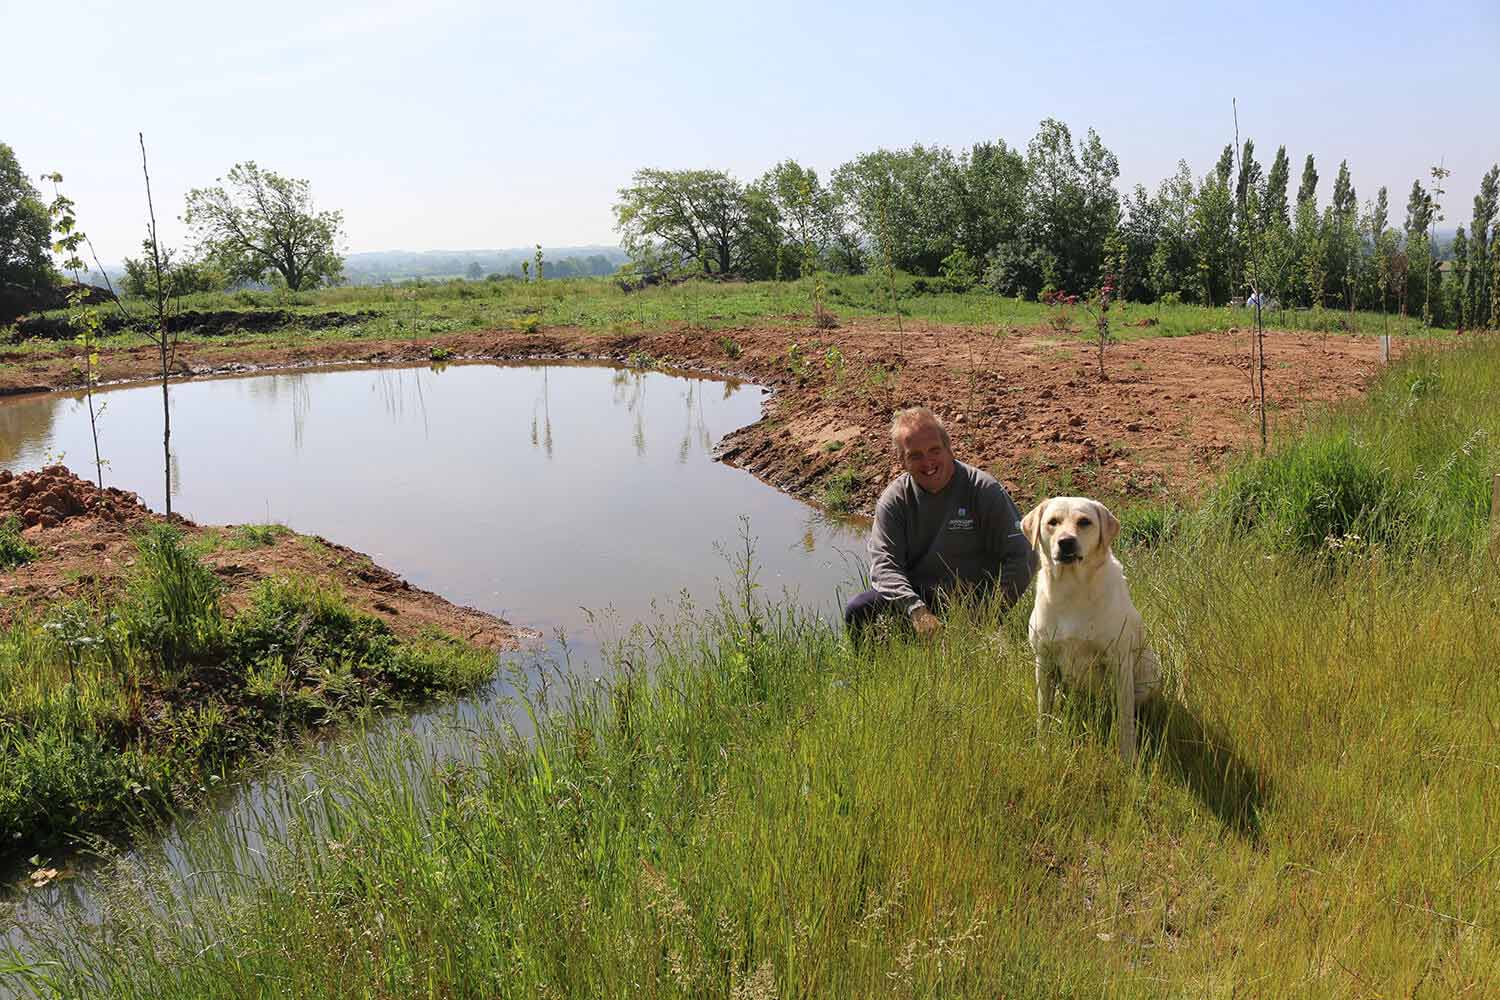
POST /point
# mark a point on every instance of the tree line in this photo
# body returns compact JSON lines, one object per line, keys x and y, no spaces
{"x":1050,"y":219}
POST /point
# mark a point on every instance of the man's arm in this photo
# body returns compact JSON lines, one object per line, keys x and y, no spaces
{"x":888,"y":553}
{"x":1003,"y":537}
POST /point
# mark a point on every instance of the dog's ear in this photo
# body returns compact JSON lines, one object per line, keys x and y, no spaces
{"x":1109,"y":525}
{"x":1031,"y":524}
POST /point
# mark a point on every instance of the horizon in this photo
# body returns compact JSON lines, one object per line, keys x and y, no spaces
{"x":398,"y":118}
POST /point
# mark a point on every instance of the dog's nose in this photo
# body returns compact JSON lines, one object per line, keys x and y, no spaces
{"x":1067,"y":546}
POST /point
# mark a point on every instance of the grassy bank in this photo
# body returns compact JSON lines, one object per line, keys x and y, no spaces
{"x":752,"y":808}
{"x":432,"y":309}
{"x":116,"y":707}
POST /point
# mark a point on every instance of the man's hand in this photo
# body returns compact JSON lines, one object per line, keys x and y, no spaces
{"x":925,"y":622}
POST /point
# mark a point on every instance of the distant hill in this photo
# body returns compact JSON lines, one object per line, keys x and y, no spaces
{"x":379,"y":267}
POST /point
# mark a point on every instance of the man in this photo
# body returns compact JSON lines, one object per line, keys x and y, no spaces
{"x":938,"y":525}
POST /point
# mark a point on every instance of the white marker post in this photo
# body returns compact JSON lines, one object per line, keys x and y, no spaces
{"x":1385,"y":348}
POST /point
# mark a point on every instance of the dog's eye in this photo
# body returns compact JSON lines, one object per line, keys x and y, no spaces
{"x":1052,"y":523}
{"x":1084,"y":522}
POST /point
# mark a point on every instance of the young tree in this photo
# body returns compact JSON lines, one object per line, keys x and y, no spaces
{"x":266,"y":224}
{"x":1435,"y":275}
{"x":25,"y":229}
{"x":83,"y":316}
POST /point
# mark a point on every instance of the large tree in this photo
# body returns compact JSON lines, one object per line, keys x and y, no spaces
{"x":264,"y":224}
{"x":25,"y":229}
{"x":908,"y":202}
{"x":702,"y":218}
{"x":1072,"y":206}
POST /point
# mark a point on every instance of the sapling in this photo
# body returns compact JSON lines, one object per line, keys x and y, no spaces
{"x":163,"y":337}
{"x":82,"y":315}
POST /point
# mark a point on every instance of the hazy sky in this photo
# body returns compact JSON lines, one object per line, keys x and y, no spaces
{"x":466,"y":125}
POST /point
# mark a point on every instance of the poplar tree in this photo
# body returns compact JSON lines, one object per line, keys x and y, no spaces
{"x":1308,"y":189}
{"x":1482,"y":240}
{"x":1460,"y":275}
{"x":1418,"y":215}
{"x":1274,"y":207}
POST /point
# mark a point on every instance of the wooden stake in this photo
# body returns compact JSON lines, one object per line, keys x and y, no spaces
{"x":1495,"y":515}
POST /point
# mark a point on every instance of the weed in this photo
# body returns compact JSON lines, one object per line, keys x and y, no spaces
{"x":14,"y":550}
{"x":730,"y":347}
{"x":252,"y":536}
{"x":841,"y":490}
{"x":174,"y":599}
{"x":437,"y":355}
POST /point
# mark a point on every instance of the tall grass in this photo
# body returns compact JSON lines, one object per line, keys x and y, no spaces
{"x":1409,"y":466}
{"x":1312,"y":816}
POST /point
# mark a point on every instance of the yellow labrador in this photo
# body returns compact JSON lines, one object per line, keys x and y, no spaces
{"x":1084,"y":628}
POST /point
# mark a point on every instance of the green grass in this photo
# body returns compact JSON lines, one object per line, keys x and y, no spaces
{"x":1410,"y":466}
{"x":751,"y":807}
{"x":114,"y":709}
{"x":426,"y":310}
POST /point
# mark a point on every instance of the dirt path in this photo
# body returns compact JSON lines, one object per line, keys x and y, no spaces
{"x":1026,"y":403}
{"x":85,"y":538}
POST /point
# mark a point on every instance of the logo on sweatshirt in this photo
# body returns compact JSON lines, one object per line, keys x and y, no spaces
{"x":963,"y":522}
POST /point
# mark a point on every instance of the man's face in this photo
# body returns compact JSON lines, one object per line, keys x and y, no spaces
{"x":926,"y":457}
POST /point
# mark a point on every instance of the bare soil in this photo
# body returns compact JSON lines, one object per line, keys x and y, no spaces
{"x":85,"y":537}
{"x":1027,"y":404}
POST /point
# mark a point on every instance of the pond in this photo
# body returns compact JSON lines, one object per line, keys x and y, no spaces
{"x":553,"y":496}
{"x":532,"y":492}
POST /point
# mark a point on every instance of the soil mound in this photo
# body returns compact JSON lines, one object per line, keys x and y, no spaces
{"x":52,"y":495}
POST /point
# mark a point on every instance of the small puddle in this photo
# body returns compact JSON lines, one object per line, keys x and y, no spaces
{"x":554,"y":496}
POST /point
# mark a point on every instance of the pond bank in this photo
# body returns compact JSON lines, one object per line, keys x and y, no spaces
{"x":139,"y":659}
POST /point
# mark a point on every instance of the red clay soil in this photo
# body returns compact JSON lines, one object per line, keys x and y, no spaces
{"x":85,"y":537}
{"x":1028,"y":404}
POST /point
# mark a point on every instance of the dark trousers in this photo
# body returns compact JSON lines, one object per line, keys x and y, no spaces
{"x":863,"y":610}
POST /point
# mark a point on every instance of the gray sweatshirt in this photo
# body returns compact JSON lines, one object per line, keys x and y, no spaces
{"x":970,"y":531}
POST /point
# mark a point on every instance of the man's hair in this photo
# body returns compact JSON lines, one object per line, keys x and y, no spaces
{"x":912,"y":418}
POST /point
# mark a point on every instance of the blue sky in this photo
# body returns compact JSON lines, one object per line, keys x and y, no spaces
{"x":466,"y":125}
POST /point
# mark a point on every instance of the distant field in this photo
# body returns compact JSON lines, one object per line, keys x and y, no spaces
{"x":428,"y":309}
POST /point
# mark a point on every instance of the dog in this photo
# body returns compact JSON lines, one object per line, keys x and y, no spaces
{"x":1084,"y":629}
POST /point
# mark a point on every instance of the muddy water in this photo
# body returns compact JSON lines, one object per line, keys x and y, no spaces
{"x":555,"y":496}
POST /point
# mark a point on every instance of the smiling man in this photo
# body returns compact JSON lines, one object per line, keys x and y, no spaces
{"x":939,"y":525}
